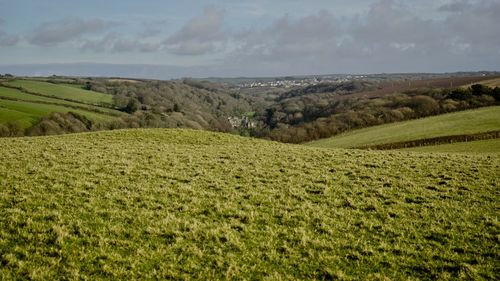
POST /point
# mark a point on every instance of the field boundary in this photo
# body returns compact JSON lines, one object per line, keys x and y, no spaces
{"x":434,"y":141}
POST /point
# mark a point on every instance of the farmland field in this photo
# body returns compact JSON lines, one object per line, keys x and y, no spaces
{"x":182,"y":204}
{"x":28,"y":112}
{"x":62,"y":91}
{"x":25,"y":120}
{"x":490,"y":83}
{"x":19,"y":95}
{"x":463,"y":122}
{"x":473,"y":147}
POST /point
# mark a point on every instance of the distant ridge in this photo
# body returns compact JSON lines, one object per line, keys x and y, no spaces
{"x":165,"y":71}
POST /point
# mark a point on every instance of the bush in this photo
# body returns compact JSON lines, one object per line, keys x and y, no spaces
{"x":424,"y":105}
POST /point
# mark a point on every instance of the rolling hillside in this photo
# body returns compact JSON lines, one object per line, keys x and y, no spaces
{"x":28,"y":113}
{"x":457,"y":123}
{"x":182,"y":204}
{"x":63,"y":92}
{"x":15,"y":94}
{"x":38,"y":99}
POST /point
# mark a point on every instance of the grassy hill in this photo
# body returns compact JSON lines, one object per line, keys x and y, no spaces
{"x":182,"y":204}
{"x":473,"y":147}
{"x":63,"y":92}
{"x":42,"y":99}
{"x":15,"y":94}
{"x":27,"y":113}
{"x":489,"y":82}
{"x":463,"y":122}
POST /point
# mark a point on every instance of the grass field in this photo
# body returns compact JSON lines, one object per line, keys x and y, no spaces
{"x":17,"y":94}
{"x":181,"y":204}
{"x":27,"y":113}
{"x":473,"y":147}
{"x":63,"y":92}
{"x":490,"y":83}
{"x":463,"y":122}
{"x":25,"y":120}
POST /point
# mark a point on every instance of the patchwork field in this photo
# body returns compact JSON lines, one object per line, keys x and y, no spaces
{"x":10,"y":93}
{"x":42,"y":99}
{"x":181,"y":204}
{"x":457,"y":123}
{"x":27,"y":113}
{"x":63,"y":92}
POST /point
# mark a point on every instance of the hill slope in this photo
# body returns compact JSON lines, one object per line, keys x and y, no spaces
{"x":31,"y":100}
{"x":457,"y":123}
{"x":63,"y":91}
{"x":28,"y":113}
{"x":472,"y":147}
{"x":180,"y":204}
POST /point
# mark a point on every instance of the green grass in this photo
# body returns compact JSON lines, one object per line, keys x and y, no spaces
{"x":28,"y":112}
{"x":473,"y":147}
{"x":24,"y":119}
{"x":63,"y":92}
{"x":490,"y":83}
{"x":17,"y":94}
{"x":457,"y":123}
{"x":181,"y":204}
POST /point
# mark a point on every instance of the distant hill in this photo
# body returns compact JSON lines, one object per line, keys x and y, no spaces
{"x":332,"y":88}
{"x":173,"y":204}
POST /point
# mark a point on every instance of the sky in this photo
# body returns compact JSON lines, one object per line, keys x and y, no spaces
{"x":170,"y":39}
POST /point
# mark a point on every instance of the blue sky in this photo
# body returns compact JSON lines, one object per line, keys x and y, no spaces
{"x":252,"y":38}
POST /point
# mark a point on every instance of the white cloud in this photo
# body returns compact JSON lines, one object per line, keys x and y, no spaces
{"x":55,"y":32}
{"x":200,"y":35}
{"x":7,"y":40}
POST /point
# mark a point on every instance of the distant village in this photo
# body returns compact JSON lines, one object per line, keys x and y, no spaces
{"x":294,"y":82}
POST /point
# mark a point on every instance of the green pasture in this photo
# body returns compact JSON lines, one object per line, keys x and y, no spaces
{"x":14,"y":116}
{"x":457,"y":123}
{"x":184,"y":205}
{"x":17,"y":94}
{"x":30,"y":111}
{"x":490,"y":83}
{"x":472,"y":147}
{"x":63,"y":92}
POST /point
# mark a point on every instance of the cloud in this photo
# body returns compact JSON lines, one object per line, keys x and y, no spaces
{"x":385,"y":36}
{"x":389,"y":36}
{"x":287,"y":37}
{"x":388,"y":27}
{"x":475,"y":28}
{"x":455,"y":6}
{"x":7,"y":40}
{"x":55,"y":32}
{"x":200,"y":35}
{"x":117,"y":43}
